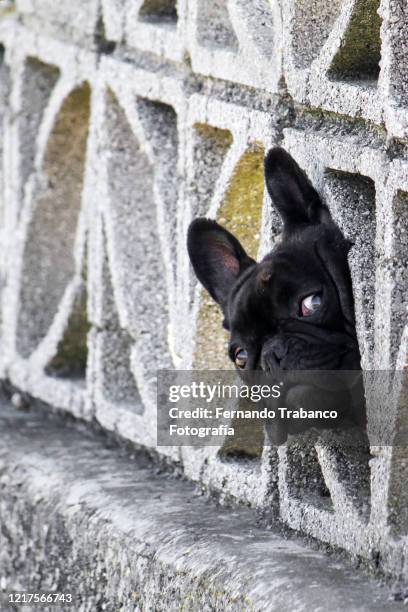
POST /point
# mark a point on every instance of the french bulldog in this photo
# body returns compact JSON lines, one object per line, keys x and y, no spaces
{"x":294,"y":309}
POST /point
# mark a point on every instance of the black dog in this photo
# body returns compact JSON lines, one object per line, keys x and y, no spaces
{"x":294,"y":310}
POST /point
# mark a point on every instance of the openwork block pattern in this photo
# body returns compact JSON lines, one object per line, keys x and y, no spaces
{"x":123,"y":121}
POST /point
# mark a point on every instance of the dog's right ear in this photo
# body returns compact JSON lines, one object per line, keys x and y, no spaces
{"x":291,"y":191}
{"x":217,"y":257}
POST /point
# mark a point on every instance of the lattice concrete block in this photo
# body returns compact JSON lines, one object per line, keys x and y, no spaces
{"x":74,"y":20}
{"x":348,"y":57}
{"x":395,"y":466}
{"x":346,"y":495}
{"x":236,"y":37}
{"x":307,"y":27}
{"x":170,"y":123}
{"x":332,"y":55}
{"x":44,"y":314}
{"x":132,"y":250}
{"x":320,"y":491}
{"x":150,"y":25}
{"x":364,"y":193}
{"x":154,"y":25}
{"x":48,"y":256}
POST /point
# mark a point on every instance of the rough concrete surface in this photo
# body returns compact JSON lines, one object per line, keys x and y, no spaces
{"x":120,"y":122}
{"x":79,"y":517}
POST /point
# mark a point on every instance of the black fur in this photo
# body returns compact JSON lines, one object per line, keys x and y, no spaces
{"x":261,"y":301}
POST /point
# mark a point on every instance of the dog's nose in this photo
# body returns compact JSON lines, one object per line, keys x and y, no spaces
{"x":273,"y":352}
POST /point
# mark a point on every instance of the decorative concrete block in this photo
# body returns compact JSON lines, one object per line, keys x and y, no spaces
{"x":332,"y":55}
{"x":74,"y":20}
{"x":45,"y":171}
{"x":150,"y":25}
{"x":234,"y":37}
{"x":121,"y":124}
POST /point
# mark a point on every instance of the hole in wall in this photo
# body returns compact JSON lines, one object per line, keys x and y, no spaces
{"x":136,"y":264}
{"x":159,"y":11}
{"x":48,"y":259}
{"x":312,"y":24}
{"x":304,"y":476}
{"x":352,"y":466}
{"x":347,"y":458}
{"x":351,"y":199}
{"x":214,"y":26}
{"x":359,"y":55}
{"x":70,"y":360}
{"x":248,"y":440}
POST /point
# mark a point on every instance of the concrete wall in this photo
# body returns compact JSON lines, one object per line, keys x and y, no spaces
{"x":120,"y":123}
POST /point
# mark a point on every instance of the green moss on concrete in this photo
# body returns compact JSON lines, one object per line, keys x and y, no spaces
{"x":360,"y":51}
{"x":72,"y":353}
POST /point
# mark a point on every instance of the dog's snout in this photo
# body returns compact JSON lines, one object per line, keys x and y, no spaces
{"x":273,"y":352}
{"x":279,"y":347}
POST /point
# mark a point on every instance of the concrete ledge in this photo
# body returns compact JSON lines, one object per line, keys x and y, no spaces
{"x":78,"y":516}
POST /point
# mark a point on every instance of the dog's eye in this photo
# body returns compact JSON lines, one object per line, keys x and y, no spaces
{"x":310,"y":304}
{"x":240,"y":357}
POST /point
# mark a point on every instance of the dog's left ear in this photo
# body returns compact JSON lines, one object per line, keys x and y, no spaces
{"x":292,"y":192}
{"x":217,"y":257}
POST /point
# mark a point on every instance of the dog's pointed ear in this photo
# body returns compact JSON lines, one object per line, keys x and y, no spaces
{"x":291,"y":191}
{"x":217,"y":257}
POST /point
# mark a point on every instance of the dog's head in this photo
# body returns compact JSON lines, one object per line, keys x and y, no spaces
{"x":293,"y":310}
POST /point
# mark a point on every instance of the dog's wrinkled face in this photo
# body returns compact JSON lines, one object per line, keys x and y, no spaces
{"x":293,"y":310}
